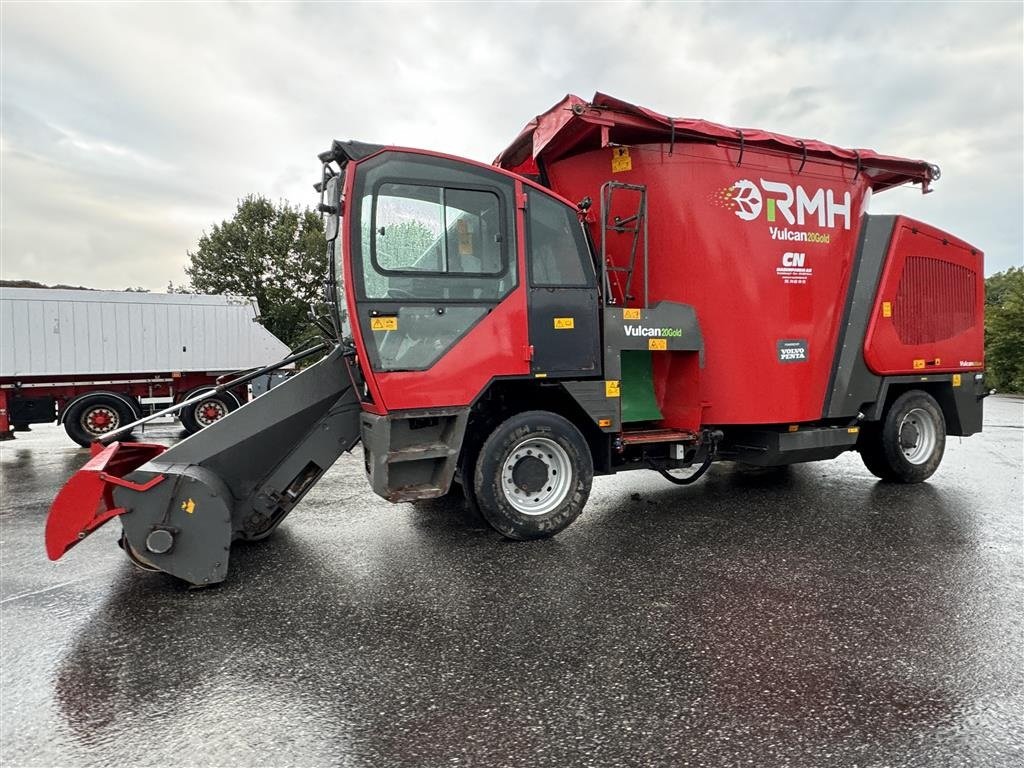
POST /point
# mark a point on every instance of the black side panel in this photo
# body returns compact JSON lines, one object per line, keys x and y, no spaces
{"x":772,"y":448}
{"x":668,"y":321}
{"x":32,"y":410}
{"x":563,"y":331}
{"x":852,"y":384}
{"x":599,"y":401}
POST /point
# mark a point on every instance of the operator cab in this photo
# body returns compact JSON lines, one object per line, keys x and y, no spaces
{"x":434,"y":248}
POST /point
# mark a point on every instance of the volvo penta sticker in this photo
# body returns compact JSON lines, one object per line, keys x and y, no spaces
{"x":792,"y":350}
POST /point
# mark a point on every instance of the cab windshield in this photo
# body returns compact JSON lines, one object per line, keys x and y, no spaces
{"x":433,"y":242}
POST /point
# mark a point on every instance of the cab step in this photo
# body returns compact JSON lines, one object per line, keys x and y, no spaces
{"x":645,"y":436}
{"x":436,"y":450}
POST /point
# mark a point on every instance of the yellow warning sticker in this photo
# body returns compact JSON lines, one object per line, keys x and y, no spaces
{"x":383,"y":323}
{"x":853,"y":430}
{"x":657,"y":344}
{"x":189,"y":506}
{"x":886,"y":309}
{"x":564,"y":323}
{"x":621,"y":160}
{"x":611,"y":388}
{"x":918,"y":364}
{"x":631,"y":314}
{"x":956,"y":379}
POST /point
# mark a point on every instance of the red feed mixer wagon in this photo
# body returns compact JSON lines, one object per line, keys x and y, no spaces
{"x":619,"y":290}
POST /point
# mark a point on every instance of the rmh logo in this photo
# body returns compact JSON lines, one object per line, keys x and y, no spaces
{"x":793,"y":203}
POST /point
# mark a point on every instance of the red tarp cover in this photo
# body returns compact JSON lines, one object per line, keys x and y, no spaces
{"x":570,"y":126}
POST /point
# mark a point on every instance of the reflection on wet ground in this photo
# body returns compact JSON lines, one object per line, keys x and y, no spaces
{"x":808,"y":616}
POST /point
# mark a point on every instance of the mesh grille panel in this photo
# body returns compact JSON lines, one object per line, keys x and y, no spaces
{"x":936,"y":300}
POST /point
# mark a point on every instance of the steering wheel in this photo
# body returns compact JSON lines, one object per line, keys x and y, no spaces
{"x":399,"y":293}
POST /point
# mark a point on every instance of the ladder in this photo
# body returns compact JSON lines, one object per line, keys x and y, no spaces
{"x":635,"y":225}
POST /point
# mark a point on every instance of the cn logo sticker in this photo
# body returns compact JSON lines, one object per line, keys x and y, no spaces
{"x":792,"y":350}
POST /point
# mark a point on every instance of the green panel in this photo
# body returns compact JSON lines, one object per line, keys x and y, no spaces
{"x":637,"y":388}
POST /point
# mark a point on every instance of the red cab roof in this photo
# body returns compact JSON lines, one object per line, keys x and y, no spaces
{"x":574,"y":125}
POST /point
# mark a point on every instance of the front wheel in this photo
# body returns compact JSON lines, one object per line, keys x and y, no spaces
{"x":533,"y":476}
{"x":907,"y":446}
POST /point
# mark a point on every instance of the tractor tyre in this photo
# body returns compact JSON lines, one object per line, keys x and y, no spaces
{"x":533,"y":476}
{"x":208,"y":410}
{"x":908,"y":444}
{"x":93,"y":416}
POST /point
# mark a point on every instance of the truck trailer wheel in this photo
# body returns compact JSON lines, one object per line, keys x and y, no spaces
{"x":206,"y":411}
{"x":907,"y":446}
{"x":533,"y":476}
{"x":91,"y":417}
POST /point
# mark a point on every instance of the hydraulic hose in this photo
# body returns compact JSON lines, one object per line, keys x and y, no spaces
{"x":712,"y":439}
{"x":684,"y":480}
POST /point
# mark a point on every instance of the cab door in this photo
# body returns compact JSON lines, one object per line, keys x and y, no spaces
{"x":563,"y":298}
{"x":433,"y":257}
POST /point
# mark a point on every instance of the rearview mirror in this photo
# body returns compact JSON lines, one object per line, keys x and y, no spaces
{"x":332,"y":207}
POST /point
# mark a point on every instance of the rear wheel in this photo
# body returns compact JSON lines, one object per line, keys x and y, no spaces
{"x":205,"y":412}
{"x":907,"y":446}
{"x":94,"y":416}
{"x":533,"y":476}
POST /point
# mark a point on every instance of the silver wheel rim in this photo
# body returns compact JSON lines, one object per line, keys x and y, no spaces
{"x":108,"y":416}
{"x":209,"y":411}
{"x":918,"y":436}
{"x":531,"y":499}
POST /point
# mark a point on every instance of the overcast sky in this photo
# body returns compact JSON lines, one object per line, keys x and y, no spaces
{"x":128,"y":129}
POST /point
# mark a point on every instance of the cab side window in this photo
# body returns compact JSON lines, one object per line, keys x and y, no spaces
{"x":558,"y":249}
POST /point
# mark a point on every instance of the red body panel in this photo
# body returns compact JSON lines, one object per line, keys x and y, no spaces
{"x":929,"y":309}
{"x":746,"y":286}
{"x":496,"y":346}
{"x":86,"y":501}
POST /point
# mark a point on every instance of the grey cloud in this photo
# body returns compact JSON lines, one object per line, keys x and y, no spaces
{"x":143,"y":124}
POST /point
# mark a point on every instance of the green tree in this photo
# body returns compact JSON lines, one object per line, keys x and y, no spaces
{"x":1004,"y":329}
{"x":274,"y":253}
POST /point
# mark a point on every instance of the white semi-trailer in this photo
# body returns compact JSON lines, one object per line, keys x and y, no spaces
{"x":97,"y":360}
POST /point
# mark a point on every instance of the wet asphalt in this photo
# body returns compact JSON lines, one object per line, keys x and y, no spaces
{"x":803,"y":617}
